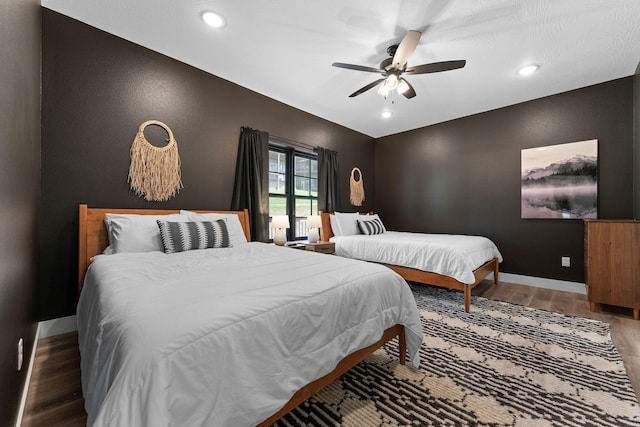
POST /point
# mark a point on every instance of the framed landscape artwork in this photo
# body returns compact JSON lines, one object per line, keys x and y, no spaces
{"x":560,"y":181}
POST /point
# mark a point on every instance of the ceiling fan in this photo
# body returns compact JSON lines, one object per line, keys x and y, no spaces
{"x":393,"y":67}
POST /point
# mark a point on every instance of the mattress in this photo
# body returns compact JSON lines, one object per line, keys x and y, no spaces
{"x":450,"y":255}
{"x":226,"y":336}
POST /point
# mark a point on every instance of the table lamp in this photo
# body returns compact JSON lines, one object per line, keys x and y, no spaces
{"x":280,"y":223}
{"x":314,"y":223}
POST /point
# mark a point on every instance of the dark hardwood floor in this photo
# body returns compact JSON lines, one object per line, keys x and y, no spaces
{"x":55,"y":394}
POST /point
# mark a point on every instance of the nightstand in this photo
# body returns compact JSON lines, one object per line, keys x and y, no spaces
{"x":296,"y":245}
{"x":322,"y":247}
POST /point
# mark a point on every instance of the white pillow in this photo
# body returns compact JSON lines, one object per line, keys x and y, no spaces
{"x":348,"y":223}
{"x":236,"y":233}
{"x":136,"y":233}
{"x":335,"y":227}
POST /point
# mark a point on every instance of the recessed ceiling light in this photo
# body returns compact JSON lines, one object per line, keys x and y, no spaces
{"x":213,"y":19}
{"x":527,"y":70}
{"x":386,"y":114}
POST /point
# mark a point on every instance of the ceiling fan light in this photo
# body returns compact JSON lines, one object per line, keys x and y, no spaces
{"x":392,"y":81}
{"x":403,"y":86}
{"x":213,"y":19}
{"x":384,"y":89}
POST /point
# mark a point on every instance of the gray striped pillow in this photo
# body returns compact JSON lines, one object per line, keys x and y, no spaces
{"x":372,"y":226}
{"x":186,"y":236}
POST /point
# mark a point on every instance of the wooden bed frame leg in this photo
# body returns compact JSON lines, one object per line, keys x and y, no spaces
{"x":495,"y":271}
{"x":467,"y":298}
{"x":343,"y":366}
{"x":402,"y":347}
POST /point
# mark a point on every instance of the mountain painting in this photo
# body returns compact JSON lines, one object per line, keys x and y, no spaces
{"x":560,"y":181}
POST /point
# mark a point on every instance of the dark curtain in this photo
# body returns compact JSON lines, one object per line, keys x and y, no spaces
{"x":251,"y":187}
{"x":328,"y":180}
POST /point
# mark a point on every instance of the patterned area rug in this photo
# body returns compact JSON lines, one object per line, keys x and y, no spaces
{"x":500,"y":365}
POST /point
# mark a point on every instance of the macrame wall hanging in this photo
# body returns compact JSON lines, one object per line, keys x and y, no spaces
{"x":154,"y":172}
{"x":357,"y":188}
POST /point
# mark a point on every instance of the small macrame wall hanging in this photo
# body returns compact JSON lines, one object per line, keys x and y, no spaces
{"x":154,"y":172}
{"x":357,"y":188}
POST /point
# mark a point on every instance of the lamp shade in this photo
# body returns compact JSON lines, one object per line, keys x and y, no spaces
{"x":403,"y":86}
{"x":280,"y":221}
{"x":314,"y":221}
{"x":391,"y":81}
{"x":384,"y":89}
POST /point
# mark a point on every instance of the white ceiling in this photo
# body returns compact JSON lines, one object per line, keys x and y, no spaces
{"x":284,"y":49}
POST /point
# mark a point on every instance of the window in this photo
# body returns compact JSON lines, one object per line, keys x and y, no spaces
{"x":293,"y":188}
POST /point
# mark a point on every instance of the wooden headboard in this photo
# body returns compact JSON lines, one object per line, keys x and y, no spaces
{"x":92,"y":232}
{"x":326,"y":232}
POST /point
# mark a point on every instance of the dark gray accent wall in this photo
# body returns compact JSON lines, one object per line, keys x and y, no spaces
{"x":20,"y":35}
{"x":97,"y":90}
{"x":463,"y":176}
{"x":636,"y":143}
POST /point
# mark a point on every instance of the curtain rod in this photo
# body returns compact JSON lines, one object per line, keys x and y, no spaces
{"x":292,"y":142}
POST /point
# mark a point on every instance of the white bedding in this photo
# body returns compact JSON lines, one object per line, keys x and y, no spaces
{"x":447,"y":254}
{"x":225,"y":336}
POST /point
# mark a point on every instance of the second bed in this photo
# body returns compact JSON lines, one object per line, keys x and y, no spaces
{"x":451,"y":261}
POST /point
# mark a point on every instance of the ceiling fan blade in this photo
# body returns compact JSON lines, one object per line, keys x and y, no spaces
{"x":357,"y":67}
{"x":409,"y":93}
{"x":366,"y":88}
{"x":436,"y":67}
{"x":406,"y":48}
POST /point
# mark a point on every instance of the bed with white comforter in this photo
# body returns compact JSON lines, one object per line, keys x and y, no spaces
{"x":455,"y":256}
{"x":226,"y":336}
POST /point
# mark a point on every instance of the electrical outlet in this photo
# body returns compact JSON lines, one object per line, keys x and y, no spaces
{"x":566,"y":261}
{"x":20,"y":353}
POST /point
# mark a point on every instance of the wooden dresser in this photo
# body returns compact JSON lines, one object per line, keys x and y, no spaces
{"x":612,"y":263}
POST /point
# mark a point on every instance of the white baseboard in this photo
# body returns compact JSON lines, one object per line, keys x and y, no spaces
{"x":541,"y":282}
{"x":27,"y":381}
{"x":46,"y":328}
{"x":61,"y":325}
